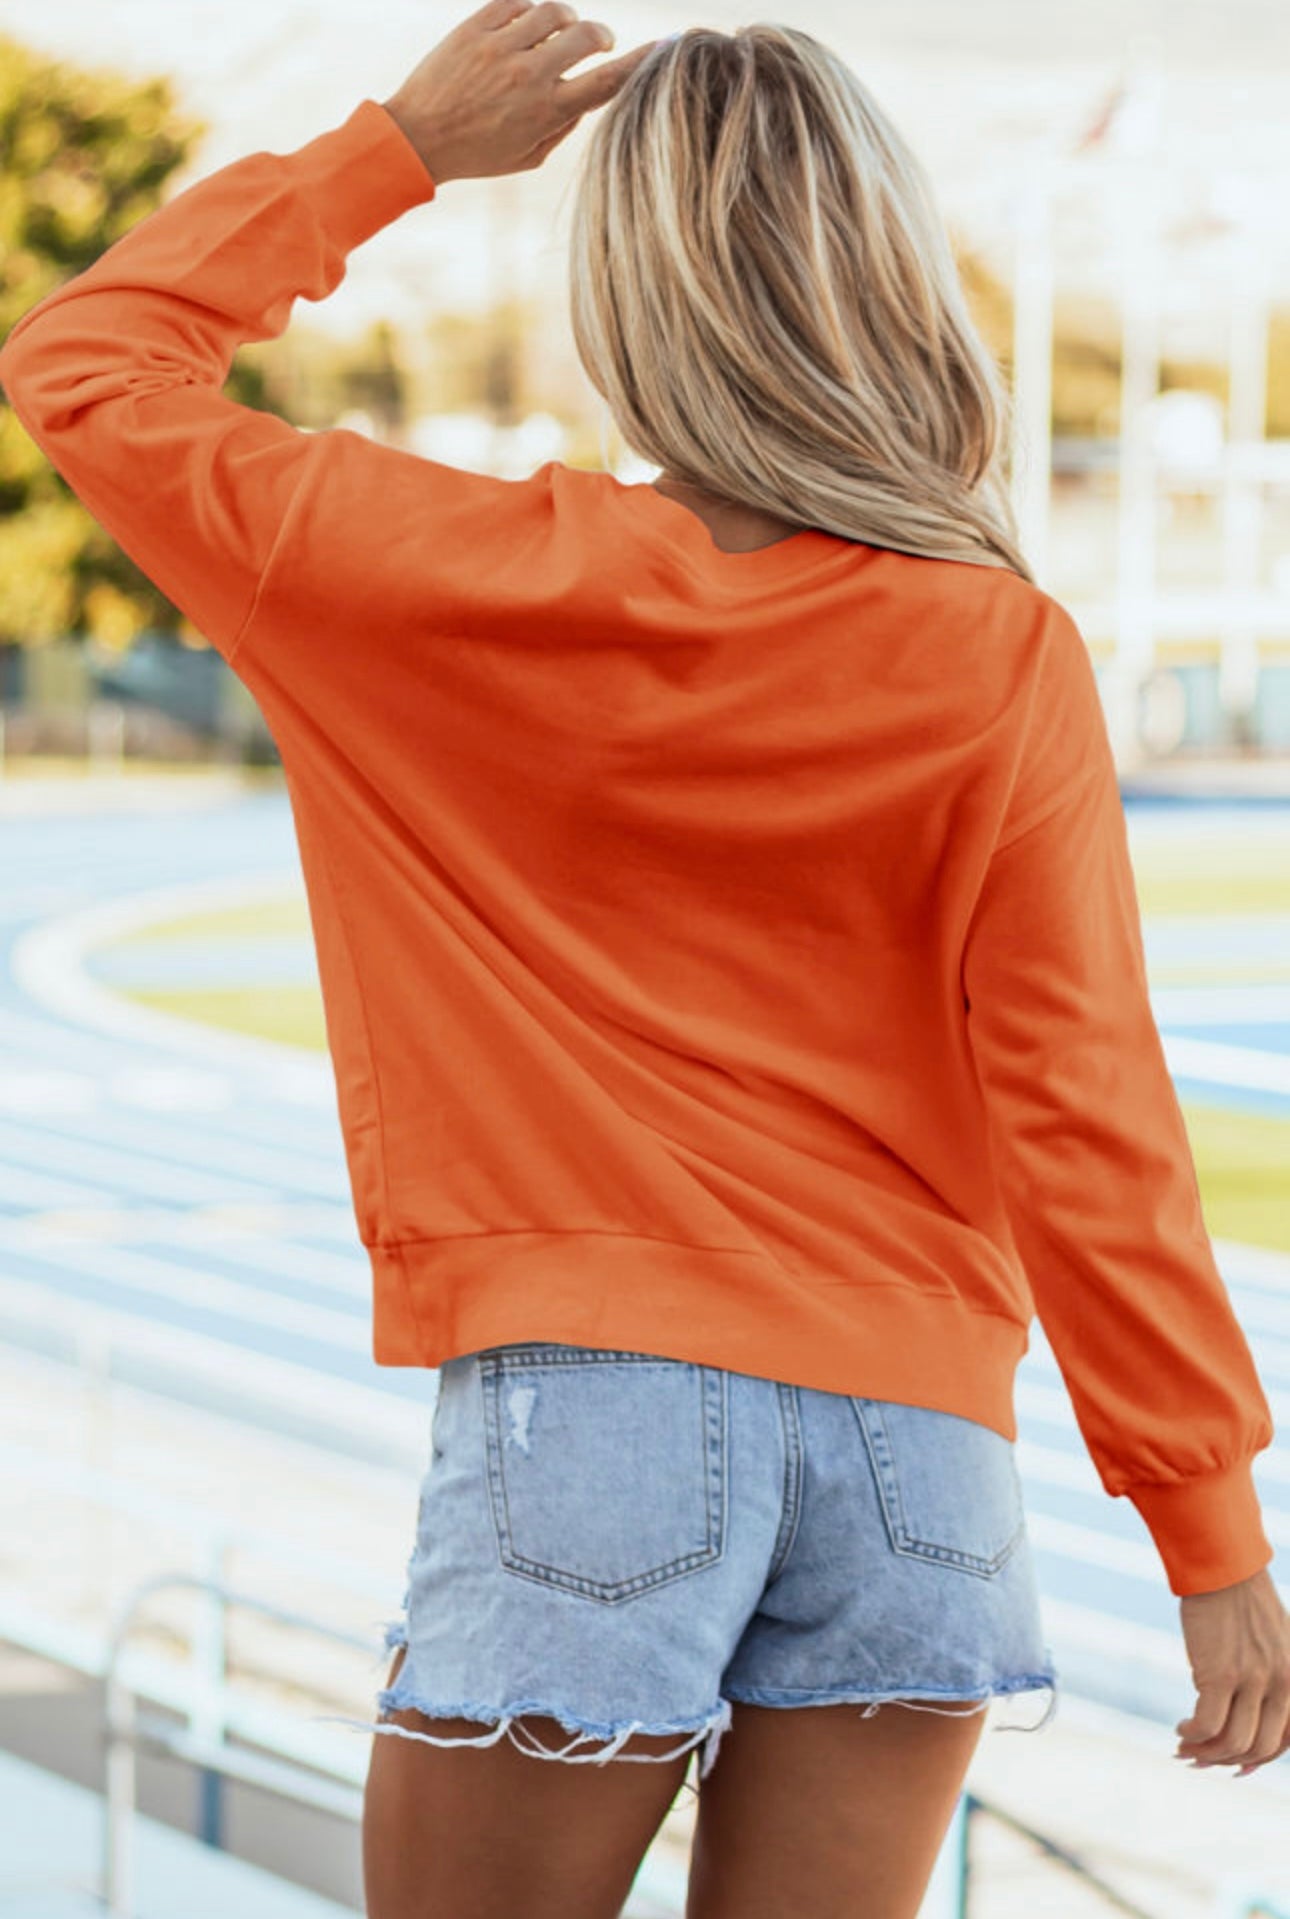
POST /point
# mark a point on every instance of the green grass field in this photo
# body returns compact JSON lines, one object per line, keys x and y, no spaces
{"x":1242,"y":1159}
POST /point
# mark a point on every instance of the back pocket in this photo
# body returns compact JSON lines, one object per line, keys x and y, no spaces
{"x":949,"y":1486}
{"x":606,"y":1470}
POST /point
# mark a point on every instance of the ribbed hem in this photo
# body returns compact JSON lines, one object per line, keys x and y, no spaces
{"x":1208,"y":1528}
{"x":435,"y":1299}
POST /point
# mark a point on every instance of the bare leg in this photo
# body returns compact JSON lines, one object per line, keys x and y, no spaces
{"x":822,"y":1813}
{"x":486,"y":1832}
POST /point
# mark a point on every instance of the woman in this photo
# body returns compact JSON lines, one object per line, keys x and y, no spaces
{"x":733,"y":977}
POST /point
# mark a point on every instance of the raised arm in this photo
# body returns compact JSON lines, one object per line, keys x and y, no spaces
{"x":118,"y":374}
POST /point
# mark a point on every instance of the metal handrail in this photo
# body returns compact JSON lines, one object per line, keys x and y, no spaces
{"x":974,"y":1806}
{"x":203,"y":1739}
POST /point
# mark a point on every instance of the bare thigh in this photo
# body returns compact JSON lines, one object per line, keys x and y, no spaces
{"x":486,"y":1832}
{"x":822,"y":1813}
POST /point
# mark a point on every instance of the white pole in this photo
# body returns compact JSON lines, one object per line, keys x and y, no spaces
{"x":1141,"y":270}
{"x":120,"y":1800}
{"x":207,"y":1719}
{"x":1032,"y":363}
{"x":94,"y":1367}
{"x":1242,"y":480}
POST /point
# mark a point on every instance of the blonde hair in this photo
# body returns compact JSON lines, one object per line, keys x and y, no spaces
{"x":764,"y":293}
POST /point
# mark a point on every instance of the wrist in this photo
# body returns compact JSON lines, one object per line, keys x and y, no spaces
{"x":407,"y":126}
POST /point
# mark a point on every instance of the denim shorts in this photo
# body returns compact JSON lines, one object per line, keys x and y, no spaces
{"x":627,"y":1543}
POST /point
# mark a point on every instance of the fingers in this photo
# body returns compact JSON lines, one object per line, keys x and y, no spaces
{"x":531,"y":25}
{"x":553,"y":30}
{"x":1209,"y":1718}
{"x":495,"y":14}
{"x":1273,"y":1735}
{"x":596,"y":88}
{"x":1246,"y":1728}
{"x":489,"y":98}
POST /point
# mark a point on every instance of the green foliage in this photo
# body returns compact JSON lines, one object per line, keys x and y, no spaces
{"x":84,"y":156}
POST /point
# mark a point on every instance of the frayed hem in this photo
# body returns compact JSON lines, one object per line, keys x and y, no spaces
{"x":1049,"y":1686}
{"x":915,"y":1699}
{"x":708,"y":1730}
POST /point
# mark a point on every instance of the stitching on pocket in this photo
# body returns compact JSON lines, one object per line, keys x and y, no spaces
{"x":516,"y":1535}
{"x":903,"y":1535}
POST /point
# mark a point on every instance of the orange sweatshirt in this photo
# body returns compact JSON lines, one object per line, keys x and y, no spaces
{"x":734,"y":957}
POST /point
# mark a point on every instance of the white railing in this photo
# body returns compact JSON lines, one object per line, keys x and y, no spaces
{"x":215,"y":1725}
{"x":203,"y":1739}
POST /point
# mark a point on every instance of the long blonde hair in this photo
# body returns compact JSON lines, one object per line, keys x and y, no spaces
{"x":764,"y":292}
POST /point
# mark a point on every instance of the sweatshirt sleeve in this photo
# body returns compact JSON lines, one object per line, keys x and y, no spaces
{"x":1092,"y":1152}
{"x":117,"y":374}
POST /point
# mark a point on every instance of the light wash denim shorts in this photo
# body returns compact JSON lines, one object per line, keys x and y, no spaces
{"x":627,"y":1543}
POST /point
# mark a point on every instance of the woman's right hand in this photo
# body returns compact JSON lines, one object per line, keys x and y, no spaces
{"x":1238,"y":1645}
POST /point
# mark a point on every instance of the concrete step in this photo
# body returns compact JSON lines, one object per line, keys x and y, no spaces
{"x":49,"y":1862}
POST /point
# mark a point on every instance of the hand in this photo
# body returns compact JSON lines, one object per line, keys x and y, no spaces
{"x":489,"y":98}
{"x":1238,"y":1643}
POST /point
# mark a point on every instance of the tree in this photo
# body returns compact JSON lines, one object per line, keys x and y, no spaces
{"x":84,"y":156}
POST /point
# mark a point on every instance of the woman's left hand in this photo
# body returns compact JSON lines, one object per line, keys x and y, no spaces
{"x":490,"y":97}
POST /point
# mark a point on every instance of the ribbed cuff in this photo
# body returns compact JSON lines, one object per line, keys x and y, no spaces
{"x":1208,"y":1529}
{"x":362,"y":174}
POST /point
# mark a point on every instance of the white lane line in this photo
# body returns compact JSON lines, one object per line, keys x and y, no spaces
{"x":20,"y":1186}
{"x":1261,"y":1313}
{"x":47,"y":964}
{"x":202,"y":1291}
{"x":48,"y":1042}
{"x":1132,"y":1558}
{"x":1113,"y":1638}
{"x":104,"y":1091}
{"x":149,"y":1139}
{"x":263,"y":1247}
{"x":156,"y":1089}
{"x":205,"y":1230}
{"x":336,"y":1403}
{"x":117,"y":1220}
{"x":1211,"y":1062}
{"x":1261,"y":1266}
{"x":169,"y":1089}
{"x":1051,"y":1405}
{"x":350,"y":1278}
{"x":45,"y":1091}
{"x":241,"y":1106}
{"x":1223,"y":1005}
{"x":120,"y":1170}
{"x":1136,"y":1559}
{"x":96,"y":794}
{"x":1075,"y":1472}
{"x":133,"y":1227}
{"x":297,"y":1075}
{"x":251,"y":1121}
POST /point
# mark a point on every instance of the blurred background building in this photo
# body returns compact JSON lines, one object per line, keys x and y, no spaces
{"x":1112,"y":176}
